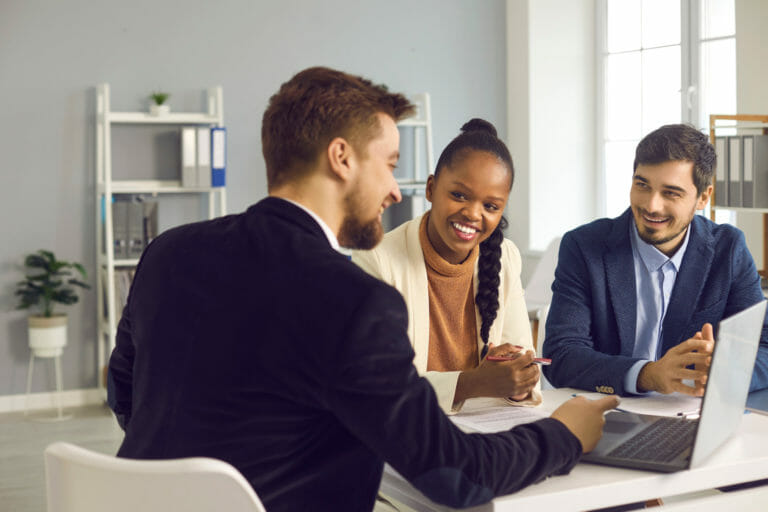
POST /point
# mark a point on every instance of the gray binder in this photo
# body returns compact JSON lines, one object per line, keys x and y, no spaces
{"x":150,"y":221}
{"x":135,"y":228}
{"x":721,"y":176}
{"x":734,"y":171}
{"x":755,"y":177}
{"x":120,"y":228}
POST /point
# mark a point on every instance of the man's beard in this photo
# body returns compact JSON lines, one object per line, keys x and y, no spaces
{"x":648,"y":237}
{"x":356,"y":233}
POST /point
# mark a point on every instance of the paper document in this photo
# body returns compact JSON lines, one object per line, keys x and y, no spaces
{"x":495,"y":417}
{"x":675,"y":404}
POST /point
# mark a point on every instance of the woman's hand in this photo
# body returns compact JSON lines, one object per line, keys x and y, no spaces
{"x":514,"y":378}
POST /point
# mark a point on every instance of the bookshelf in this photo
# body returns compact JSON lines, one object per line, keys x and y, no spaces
{"x":107,"y":189}
{"x":418,"y":128}
{"x":740,"y":123}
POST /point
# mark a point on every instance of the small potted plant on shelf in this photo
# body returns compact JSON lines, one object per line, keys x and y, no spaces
{"x":48,"y":281}
{"x":159,"y":107}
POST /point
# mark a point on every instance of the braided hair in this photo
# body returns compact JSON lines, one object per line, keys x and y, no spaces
{"x":480,"y":135}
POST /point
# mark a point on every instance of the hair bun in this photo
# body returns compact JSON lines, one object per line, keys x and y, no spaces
{"x":479,"y":125}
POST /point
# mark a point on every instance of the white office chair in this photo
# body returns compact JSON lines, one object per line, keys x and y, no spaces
{"x":542,"y":317}
{"x":538,"y":292}
{"x":79,"y":480}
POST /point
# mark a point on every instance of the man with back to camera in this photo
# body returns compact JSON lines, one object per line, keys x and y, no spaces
{"x":250,"y":339}
{"x":635,"y":297}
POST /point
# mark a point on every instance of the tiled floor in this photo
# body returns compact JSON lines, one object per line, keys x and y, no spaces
{"x":23,"y":440}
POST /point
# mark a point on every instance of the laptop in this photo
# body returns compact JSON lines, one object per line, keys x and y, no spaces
{"x":667,"y":444}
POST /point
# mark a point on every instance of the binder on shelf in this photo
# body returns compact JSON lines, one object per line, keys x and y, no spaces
{"x":120,"y":228}
{"x":135,"y":228}
{"x":150,"y":221}
{"x":122,"y":282}
{"x":734,"y":171}
{"x":218,"y":156}
{"x":747,"y":181}
{"x":188,"y":156}
{"x":721,"y":176}
{"x":755,"y":184}
{"x":204,"y":157}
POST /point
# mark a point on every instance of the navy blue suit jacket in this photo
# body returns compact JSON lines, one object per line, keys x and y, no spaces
{"x":590,"y":330}
{"x":250,"y":339}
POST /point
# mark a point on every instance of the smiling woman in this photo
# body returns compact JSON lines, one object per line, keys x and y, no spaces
{"x":461,"y":278}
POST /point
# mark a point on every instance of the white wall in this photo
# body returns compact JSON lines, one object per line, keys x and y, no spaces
{"x":752,"y":93}
{"x":551,"y":120}
{"x":53,"y":53}
{"x":562,"y":117}
{"x":518,"y":126}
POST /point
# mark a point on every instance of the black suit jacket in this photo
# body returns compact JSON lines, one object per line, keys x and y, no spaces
{"x":249,"y":339}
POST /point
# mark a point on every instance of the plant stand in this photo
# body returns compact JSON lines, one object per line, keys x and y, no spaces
{"x":47,"y":338}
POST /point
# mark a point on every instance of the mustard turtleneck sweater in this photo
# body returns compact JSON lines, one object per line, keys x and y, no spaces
{"x":452,"y":325}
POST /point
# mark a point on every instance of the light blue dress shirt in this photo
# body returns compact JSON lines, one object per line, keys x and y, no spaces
{"x":655,"y":275}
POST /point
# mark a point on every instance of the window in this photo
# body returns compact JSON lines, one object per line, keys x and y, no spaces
{"x":659,"y":67}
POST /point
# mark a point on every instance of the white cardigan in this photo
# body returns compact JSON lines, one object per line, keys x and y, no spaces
{"x":399,"y":261}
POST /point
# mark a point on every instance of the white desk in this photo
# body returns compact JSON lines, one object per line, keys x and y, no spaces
{"x":743,"y":458}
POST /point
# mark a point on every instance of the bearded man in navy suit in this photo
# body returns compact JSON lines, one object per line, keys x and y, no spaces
{"x":635,"y":297}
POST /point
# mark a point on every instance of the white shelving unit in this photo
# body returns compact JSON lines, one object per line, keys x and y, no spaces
{"x":421,"y":120}
{"x":420,"y":124}
{"x":107,"y":187}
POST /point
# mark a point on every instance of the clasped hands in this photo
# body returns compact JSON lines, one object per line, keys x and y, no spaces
{"x":668,"y":373}
{"x":514,"y":378}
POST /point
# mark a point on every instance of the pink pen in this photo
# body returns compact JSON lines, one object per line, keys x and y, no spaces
{"x":536,"y":360}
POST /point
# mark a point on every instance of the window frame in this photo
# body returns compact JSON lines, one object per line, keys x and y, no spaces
{"x":690,"y":99}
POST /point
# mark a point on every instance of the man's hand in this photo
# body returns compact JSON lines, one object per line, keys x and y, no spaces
{"x":584,"y":418}
{"x":514,"y":379}
{"x":667,"y":374}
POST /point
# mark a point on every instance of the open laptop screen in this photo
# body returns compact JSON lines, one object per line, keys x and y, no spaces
{"x":729,"y":377}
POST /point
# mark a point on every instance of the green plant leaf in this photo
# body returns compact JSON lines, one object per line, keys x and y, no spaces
{"x":35,"y":261}
{"x":159,"y":97}
{"x":81,"y":284}
{"x":64,"y":296}
{"x":52,"y":282}
{"x":80,"y":269}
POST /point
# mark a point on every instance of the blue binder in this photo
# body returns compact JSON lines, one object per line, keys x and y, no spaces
{"x":218,"y":156}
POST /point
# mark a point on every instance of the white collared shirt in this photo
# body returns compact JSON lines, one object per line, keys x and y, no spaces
{"x":655,"y":275}
{"x":326,"y":230}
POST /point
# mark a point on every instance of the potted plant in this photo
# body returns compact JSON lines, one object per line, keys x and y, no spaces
{"x":159,"y":107}
{"x":48,"y":281}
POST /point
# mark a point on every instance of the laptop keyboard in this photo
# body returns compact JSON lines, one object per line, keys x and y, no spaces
{"x":661,"y":441}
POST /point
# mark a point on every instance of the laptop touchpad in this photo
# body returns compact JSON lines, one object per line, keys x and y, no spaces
{"x":619,"y":427}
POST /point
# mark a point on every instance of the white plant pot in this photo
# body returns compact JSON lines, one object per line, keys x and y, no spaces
{"x":47,"y":335}
{"x":159,"y":110}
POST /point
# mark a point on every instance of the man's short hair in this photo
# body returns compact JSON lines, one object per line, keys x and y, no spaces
{"x":316,"y":106}
{"x":674,"y":142}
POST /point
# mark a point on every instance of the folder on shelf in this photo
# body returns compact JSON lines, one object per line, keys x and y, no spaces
{"x":135,"y":228}
{"x":721,"y":176}
{"x":189,"y":156}
{"x":203,"y":156}
{"x":734,"y":171}
{"x":120,"y":228}
{"x":747,"y":180}
{"x":218,"y":156}
{"x":150,"y":221}
{"x":755,"y":160}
